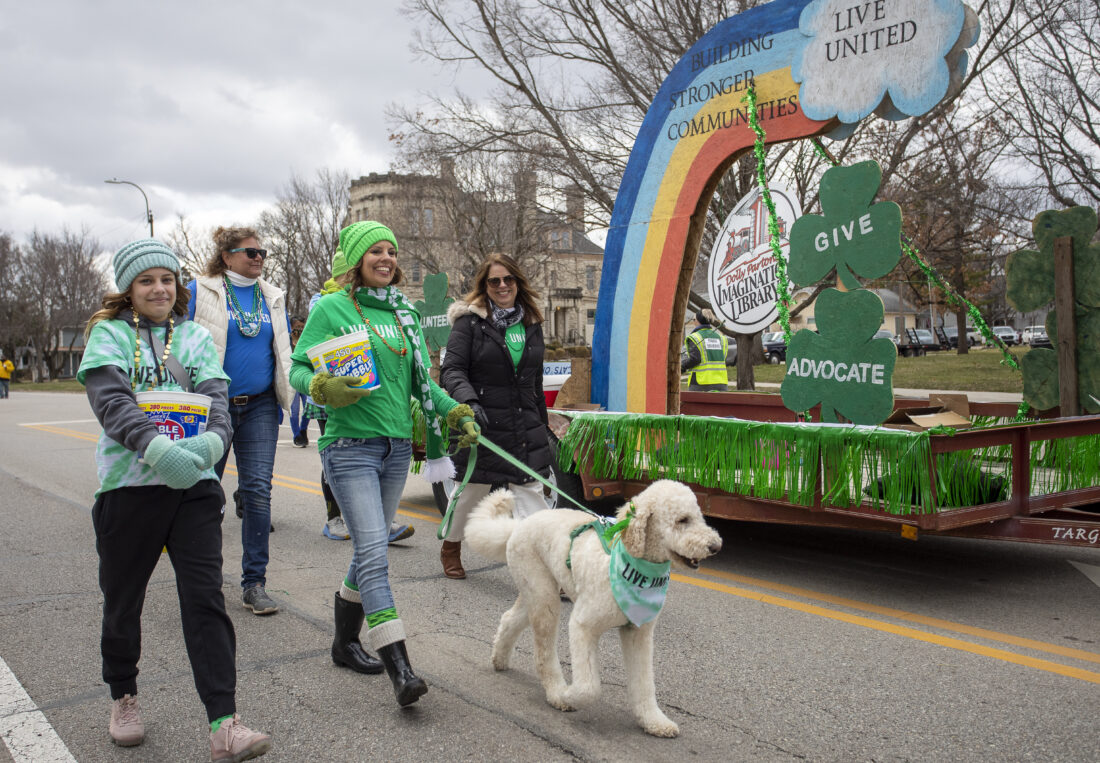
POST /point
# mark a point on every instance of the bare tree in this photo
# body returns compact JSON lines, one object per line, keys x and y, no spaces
{"x":1047,"y":94}
{"x":302,"y":233}
{"x":192,"y":245}
{"x":60,"y":286}
{"x":13,"y":310}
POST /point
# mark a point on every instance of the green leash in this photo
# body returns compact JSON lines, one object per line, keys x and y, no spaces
{"x":445,"y":525}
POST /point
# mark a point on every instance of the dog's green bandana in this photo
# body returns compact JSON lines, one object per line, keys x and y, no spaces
{"x":638,"y":586}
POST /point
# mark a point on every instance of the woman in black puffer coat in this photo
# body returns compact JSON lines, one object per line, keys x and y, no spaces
{"x":493,"y":364}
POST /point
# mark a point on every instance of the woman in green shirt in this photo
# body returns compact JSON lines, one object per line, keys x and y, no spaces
{"x":367,"y":444}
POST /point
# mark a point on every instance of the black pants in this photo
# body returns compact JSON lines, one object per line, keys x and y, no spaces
{"x":132,"y":525}
{"x":332,"y":508}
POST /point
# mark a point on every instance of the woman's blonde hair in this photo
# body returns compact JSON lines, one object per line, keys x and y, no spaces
{"x":115,"y":302}
{"x":525,"y":295}
{"x":224,"y":240}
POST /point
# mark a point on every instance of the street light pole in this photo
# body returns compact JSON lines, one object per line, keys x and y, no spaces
{"x":148,"y":212}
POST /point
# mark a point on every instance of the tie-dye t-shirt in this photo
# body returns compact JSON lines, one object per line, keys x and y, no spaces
{"x":111,"y":343}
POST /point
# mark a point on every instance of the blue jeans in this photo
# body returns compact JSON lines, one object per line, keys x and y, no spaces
{"x":297,"y":424}
{"x":367,"y":477}
{"x":255,"y":432}
{"x":4,"y":387}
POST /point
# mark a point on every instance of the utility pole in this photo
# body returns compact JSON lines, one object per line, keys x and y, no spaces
{"x":148,"y":212}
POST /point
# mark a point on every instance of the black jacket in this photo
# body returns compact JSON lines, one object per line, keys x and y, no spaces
{"x":477,"y":368}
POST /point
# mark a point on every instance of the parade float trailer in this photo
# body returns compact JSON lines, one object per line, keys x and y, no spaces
{"x":836,"y":449}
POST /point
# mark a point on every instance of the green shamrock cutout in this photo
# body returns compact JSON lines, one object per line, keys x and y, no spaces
{"x":1030,"y":277}
{"x":433,"y":310}
{"x":842,"y":368}
{"x":854,"y":235}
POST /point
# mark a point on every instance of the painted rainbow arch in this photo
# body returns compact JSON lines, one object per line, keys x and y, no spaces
{"x":691,"y":134}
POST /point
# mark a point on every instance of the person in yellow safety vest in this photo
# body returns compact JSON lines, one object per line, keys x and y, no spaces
{"x":704,"y":355}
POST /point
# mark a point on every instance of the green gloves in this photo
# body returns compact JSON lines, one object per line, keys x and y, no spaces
{"x":178,"y":467}
{"x":336,"y":391}
{"x":470,"y":432}
{"x":461,"y":419}
{"x":207,"y":446}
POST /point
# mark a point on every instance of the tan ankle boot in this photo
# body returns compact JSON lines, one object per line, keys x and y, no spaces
{"x":451,"y":556}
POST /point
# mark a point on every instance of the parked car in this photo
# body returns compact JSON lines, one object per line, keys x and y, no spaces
{"x":973,"y":336}
{"x":775,"y":349}
{"x":887,"y":334}
{"x":1030,"y":331}
{"x":1039,"y":337}
{"x":1007,"y":335}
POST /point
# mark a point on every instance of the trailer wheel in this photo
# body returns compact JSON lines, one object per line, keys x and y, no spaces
{"x":568,"y":482}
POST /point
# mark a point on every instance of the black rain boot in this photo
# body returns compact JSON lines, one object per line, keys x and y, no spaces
{"x":347,"y":650}
{"x":407,"y":686}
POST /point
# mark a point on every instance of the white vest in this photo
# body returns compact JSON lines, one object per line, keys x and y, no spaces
{"x":211,"y":313}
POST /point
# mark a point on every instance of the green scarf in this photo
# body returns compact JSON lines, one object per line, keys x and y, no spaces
{"x":390,"y":298}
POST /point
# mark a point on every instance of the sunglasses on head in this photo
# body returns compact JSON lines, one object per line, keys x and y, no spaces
{"x":497,"y":281}
{"x":251,"y":252}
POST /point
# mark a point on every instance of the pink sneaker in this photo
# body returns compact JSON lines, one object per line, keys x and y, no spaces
{"x":234,"y":742}
{"x":126,"y":727}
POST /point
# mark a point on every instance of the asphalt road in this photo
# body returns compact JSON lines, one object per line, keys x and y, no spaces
{"x":792,"y":644}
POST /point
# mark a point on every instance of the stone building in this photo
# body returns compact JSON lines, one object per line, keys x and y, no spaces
{"x":442,"y":228}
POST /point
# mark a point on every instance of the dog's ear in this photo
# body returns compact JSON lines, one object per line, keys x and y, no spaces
{"x":634,"y":536}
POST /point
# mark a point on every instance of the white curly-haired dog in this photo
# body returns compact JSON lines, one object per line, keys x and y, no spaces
{"x":667,"y":526}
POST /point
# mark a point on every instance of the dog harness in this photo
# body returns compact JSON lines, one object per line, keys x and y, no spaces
{"x":638,"y":586}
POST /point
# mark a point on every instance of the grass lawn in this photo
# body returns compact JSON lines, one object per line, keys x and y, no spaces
{"x":63,"y":385}
{"x":978,"y":371}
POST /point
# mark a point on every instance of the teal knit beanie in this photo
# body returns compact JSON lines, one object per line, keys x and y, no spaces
{"x":139,"y":256}
{"x":357,"y":238}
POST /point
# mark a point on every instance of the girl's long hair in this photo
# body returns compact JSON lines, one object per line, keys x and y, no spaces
{"x":525,"y":295}
{"x":115,"y":302}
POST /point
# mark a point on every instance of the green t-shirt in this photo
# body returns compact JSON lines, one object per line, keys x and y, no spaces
{"x":111,"y":343}
{"x":385,"y":412}
{"x":515,"y":337}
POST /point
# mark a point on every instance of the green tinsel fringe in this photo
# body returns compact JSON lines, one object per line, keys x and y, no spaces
{"x":771,"y":460}
{"x":886,"y":467}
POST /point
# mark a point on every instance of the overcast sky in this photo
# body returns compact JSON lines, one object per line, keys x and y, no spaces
{"x":208,"y":106}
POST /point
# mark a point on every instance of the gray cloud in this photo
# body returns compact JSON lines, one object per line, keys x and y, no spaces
{"x":208,"y":106}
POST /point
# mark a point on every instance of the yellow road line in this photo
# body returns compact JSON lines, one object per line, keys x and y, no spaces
{"x":899,"y":630}
{"x":66,"y":432}
{"x":307,"y":486}
{"x":898,"y":614}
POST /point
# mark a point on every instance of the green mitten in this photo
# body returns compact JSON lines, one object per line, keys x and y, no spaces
{"x":207,"y":446}
{"x":336,"y":391}
{"x":178,"y":467}
{"x":470,"y":432}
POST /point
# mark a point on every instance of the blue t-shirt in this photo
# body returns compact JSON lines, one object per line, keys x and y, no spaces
{"x":249,"y":361}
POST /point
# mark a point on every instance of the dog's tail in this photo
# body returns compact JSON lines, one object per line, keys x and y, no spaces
{"x":490,"y":525}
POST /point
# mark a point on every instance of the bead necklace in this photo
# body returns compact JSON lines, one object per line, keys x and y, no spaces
{"x":137,"y":351}
{"x":377,"y":359}
{"x":400,"y":334}
{"x":248,"y":323}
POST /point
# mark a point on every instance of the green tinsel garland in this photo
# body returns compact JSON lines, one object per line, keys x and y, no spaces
{"x":759,"y":150}
{"x":886,"y":467}
{"x":952,"y":298}
{"x":771,"y":460}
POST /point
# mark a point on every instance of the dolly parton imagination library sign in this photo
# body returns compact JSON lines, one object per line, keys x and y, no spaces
{"x":817,"y":67}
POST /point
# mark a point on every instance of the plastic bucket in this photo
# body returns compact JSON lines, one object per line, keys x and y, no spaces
{"x":175,"y":414}
{"x":348,"y":355}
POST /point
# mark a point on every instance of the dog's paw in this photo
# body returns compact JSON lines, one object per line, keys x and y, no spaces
{"x":557,"y":699}
{"x":500,"y":661}
{"x":662,"y":728}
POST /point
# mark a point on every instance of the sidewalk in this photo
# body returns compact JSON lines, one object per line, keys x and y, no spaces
{"x":977,"y":397}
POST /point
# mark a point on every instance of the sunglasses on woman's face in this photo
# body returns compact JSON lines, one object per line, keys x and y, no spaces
{"x":496,"y":282}
{"x":251,"y":252}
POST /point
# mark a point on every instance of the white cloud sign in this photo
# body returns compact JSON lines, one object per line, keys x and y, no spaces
{"x":894,"y":56}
